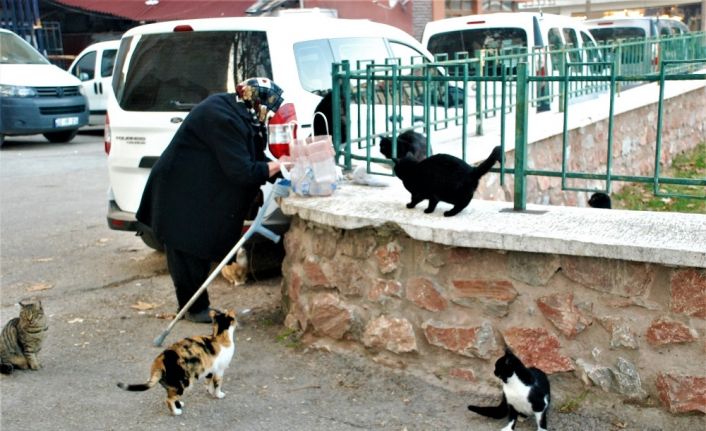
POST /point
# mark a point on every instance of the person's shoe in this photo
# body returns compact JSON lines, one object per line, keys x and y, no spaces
{"x":198,"y":316}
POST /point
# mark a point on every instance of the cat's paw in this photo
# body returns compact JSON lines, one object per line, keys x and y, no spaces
{"x":411,"y":205}
{"x":220,"y":394}
{"x":428,"y":211}
{"x":176,"y":412}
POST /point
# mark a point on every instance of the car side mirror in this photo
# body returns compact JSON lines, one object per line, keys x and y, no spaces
{"x":83,"y":76}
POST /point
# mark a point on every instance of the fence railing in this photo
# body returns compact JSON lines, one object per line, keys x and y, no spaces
{"x":454,"y":101}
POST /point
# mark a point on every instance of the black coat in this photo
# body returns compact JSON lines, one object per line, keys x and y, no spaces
{"x":200,"y":189}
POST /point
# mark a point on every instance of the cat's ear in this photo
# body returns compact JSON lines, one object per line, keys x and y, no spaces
{"x":212,"y":313}
{"x":230,"y":313}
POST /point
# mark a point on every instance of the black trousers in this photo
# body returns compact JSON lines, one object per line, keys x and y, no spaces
{"x":188,"y":273}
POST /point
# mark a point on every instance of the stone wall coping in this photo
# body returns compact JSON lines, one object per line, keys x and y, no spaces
{"x":677,"y":239}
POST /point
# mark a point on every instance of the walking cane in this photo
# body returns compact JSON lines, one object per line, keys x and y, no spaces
{"x":279,"y":189}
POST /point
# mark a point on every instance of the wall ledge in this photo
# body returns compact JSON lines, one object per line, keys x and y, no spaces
{"x":657,"y":237}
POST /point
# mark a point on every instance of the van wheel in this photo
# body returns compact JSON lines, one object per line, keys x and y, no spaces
{"x":60,"y":137}
{"x":151,"y":241}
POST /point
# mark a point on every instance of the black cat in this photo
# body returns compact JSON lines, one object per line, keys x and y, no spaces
{"x":442,"y":177}
{"x":409,"y":142}
{"x":525,"y":392}
{"x":599,"y":200}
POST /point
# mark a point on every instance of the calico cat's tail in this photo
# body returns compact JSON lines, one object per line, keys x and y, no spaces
{"x":488,"y":163}
{"x":154,"y":379}
{"x":497,"y":412}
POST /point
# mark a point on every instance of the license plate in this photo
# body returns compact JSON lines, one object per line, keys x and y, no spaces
{"x":66,"y":122}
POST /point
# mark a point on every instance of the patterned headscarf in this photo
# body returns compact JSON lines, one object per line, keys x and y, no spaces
{"x":261,"y":96}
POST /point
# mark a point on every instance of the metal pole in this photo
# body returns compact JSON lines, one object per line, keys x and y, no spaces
{"x":521,"y":138}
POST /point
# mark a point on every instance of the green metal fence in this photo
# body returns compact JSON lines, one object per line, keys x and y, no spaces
{"x":455,"y":100}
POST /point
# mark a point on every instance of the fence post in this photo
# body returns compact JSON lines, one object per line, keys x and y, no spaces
{"x":520,"y":196}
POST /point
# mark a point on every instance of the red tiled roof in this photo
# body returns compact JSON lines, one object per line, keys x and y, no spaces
{"x":164,"y":10}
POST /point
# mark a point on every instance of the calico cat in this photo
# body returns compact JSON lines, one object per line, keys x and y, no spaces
{"x":599,"y":200}
{"x":409,"y":142}
{"x":442,"y":177}
{"x":525,"y":392}
{"x":184,"y":362}
{"x":21,"y":338}
{"x":237,"y":272}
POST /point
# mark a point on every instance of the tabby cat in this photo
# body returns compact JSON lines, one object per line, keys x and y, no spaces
{"x":237,"y":272}
{"x":409,"y":142}
{"x":442,"y":177}
{"x":21,"y":338}
{"x":186,"y":361}
{"x":525,"y":392}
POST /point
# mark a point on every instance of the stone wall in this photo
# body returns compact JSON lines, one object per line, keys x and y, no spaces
{"x":634,"y":138}
{"x":449,"y":312}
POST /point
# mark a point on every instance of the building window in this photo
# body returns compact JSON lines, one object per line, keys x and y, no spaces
{"x":460,"y":7}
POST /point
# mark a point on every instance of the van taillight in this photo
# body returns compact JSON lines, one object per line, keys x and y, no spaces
{"x":106,"y":134}
{"x":281,"y":129}
{"x":605,"y":23}
{"x":183,"y":27}
{"x":475,"y":22}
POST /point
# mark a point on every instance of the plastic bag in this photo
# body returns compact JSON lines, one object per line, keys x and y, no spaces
{"x":314,"y":172}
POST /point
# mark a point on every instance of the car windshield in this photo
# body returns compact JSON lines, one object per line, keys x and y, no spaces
{"x":14,"y":50}
{"x":607,"y":34}
{"x":175,"y":71}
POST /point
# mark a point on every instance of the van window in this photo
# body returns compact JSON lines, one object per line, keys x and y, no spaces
{"x":359,"y":49}
{"x":609,"y":34}
{"x":85,"y":66}
{"x":573,"y":41}
{"x":175,"y":71}
{"x":107,"y":61}
{"x":14,"y":50}
{"x":312,"y":57}
{"x":407,"y":54}
{"x":556,"y":43}
{"x":593,"y":54}
{"x":497,"y":40}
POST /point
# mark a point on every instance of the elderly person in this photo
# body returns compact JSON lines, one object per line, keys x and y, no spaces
{"x":201,"y":188}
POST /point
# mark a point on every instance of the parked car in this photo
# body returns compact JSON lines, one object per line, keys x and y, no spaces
{"x":515,"y":37}
{"x":640,"y":50}
{"x":164,"y":69}
{"x":94,"y":67}
{"x":610,"y":29}
{"x":36,"y":96}
{"x":511,"y":33}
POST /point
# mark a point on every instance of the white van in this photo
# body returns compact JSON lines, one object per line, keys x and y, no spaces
{"x":94,"y":67}
{"x":510,"y":33}
{"x":162,"y":70}
{"x":35,"y":95}
{"x":514,"y":35}
{"x":629,"y":27}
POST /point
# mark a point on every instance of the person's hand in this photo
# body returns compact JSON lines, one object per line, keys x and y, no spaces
{"x":286,"y":161}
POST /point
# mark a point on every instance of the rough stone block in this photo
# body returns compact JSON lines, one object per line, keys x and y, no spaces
{"x":382,"y":289}
{"x":617,"y":277}
{"x":535,"y":269}
{"x":314,"y":275}
{"x":477,"y":341}
{"x":681,"y":394}
{"x":667,"y":331}
{"x":465,"y":374}
{"x":388,"y":257}
{"x":390,"y":333}
{"x":621,"y":333}
{"x":563,"y":313}
{"x":688,"y":287}
{"x":421,"y":291}
{"x":329,"y":316}
{"x":628,"y":380}
{"x":357,"y":243}
{"x":536,"y":347}
{"x":596,"y":374}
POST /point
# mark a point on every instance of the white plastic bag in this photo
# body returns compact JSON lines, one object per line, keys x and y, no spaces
{"x":314,"y":172}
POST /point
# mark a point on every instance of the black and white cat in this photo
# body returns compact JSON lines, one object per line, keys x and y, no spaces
{"x":525,"y":392}
{"x":599,"y":200}
{"x":442,"y":177}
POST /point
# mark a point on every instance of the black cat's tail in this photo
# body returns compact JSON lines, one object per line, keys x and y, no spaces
{"x":154,"y":379}
{"x":496,"y":412}
{"x":488,"y":163}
